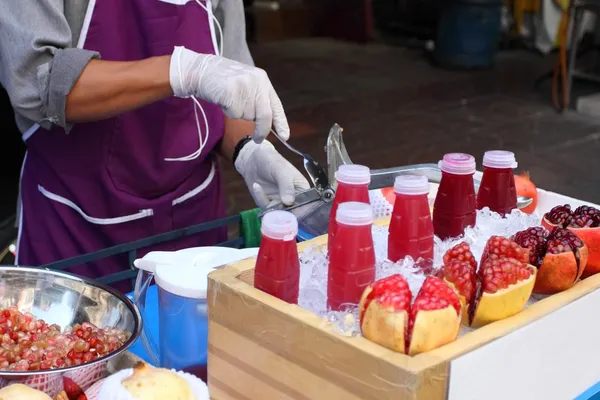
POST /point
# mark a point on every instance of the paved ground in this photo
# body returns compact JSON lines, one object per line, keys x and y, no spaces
{"x":396,"y":109}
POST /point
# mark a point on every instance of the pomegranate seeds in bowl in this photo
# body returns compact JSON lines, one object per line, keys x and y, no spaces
{"x":30,"y":344}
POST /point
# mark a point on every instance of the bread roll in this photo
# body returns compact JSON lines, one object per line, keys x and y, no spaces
{"x":149,"y":383}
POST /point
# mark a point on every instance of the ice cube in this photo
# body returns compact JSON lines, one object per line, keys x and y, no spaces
{"x":313,"y":279}
{"x":345,"y":323}
{"x":380,"y":242}
{"x":314,"y":261}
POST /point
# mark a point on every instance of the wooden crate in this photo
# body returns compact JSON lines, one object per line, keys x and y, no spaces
{"x":263,"y":348}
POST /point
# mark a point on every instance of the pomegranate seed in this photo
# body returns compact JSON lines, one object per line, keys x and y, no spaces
{"x":460,"y":252}
{"x":500,"y":247}
{"x":435,"y":294}
{"x":560,"y":216}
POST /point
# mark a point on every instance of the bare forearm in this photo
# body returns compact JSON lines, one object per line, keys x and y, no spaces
{"x":235,"y":130}
{"x":109,"y":88}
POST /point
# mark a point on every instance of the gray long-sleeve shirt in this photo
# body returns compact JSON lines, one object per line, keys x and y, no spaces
{"x":39,"y":61}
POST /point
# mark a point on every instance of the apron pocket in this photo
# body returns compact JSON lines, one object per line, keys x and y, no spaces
{"x":198,"y":189}
{"x":202,"y":204}
{"x":93,"y":220}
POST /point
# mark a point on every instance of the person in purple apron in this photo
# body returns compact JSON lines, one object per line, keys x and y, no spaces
{"x":125,"y":147}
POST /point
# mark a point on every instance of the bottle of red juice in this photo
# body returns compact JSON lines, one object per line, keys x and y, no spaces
{"x":352,"y":185}
{"x":411,"y":228}
{"x":497,"y":190}
{"x":454,"y":206}
{"x":277,"y":269}
{"x":352,"y":257}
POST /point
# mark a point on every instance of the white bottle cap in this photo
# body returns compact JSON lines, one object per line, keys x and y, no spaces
{"x":279,"y":225}
{"x":499,"y":159}
{"x":353,"y":174}
{"x":458,"y":164}
{"x":411,"y":185}
{"x":354,"y":213}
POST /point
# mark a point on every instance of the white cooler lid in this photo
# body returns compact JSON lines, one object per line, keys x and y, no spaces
{"x":185,"y":272}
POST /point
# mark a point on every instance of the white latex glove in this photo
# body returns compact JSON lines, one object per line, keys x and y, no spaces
{"x":270,"y":177}
{"x":242,"y":91}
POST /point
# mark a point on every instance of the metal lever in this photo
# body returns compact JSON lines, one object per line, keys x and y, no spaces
{"x":316,"y":173}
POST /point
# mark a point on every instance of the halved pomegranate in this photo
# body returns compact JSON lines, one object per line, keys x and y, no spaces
{"x":560,"y":257}
{"x":499,"y":290}
{"x":388,"y":319}
{"x":501,"y":247}
{"x":460,"y":272}
{"x":585,"y":223}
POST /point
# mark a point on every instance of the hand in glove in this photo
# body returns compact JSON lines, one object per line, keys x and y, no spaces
{"x":270,"y":177}
{"x":244,"y":92}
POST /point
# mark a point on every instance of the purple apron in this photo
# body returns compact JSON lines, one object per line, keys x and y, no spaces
{"x":107,"y":183}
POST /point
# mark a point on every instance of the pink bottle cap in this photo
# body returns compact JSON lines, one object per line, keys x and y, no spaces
{"x":499,"y":159}
{"x":353,"y":174}
{"x":411,"y":184}
{"x":354,"y":213}
{"x":279,"y":225}
{"x":458,"y":164}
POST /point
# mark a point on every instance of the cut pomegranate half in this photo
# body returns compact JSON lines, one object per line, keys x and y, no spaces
{"x":501,"y":247}
{"x":584,"y":221}
{"x":499,"y":289}
{"x":560,"y":257}
{"x":387,"y":318}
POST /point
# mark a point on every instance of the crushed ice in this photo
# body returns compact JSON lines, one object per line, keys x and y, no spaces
{"x":314,"y":261}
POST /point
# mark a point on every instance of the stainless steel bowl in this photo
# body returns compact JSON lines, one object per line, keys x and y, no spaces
{"x":65,"y":299}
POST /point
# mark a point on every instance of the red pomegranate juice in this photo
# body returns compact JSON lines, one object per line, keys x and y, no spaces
{"x":353,"y":185}
{"x":454,"y":207}
{"x":352,"y":257}
{"x":497,"y":190}
{"x":411,"y":228}
{"x":277,"y":270}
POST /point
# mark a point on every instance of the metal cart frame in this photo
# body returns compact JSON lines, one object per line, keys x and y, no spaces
{"x":131,"y":248}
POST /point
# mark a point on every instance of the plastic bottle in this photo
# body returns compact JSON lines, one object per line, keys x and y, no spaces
{"x":454,"y":207}
{"x":497,"y":190}
{"x":352,"y":257}
{"x":411,"y":228}
{"x":352,"y":185}
{"x":277,"y":269}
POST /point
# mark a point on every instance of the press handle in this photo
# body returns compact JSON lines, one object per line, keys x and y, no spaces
{"x":142,"y":283}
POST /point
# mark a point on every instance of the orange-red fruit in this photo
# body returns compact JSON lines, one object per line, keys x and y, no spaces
{"x":388,"y":319}
{"x":526,"y":188}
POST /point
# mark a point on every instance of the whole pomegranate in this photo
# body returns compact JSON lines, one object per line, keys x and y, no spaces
{"x":526,"y":188}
